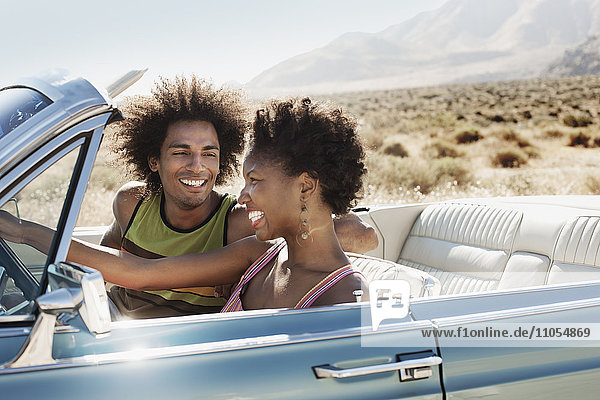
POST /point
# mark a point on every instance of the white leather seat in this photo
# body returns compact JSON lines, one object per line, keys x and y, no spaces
{"x":372,"y":268}
{"x":465,"y":246}
{"x":576,"y":255}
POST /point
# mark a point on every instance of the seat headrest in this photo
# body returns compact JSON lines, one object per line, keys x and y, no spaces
{"x":579,"y":242}
{"x":471,"y":224}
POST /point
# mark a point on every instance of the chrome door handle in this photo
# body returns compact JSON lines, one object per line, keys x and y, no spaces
{"x":411,"y":369}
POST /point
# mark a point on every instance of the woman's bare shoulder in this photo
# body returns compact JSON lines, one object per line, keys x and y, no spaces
{"x":344,"y":291}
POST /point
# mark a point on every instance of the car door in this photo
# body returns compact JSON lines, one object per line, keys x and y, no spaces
{"x":253,"y":354}
{"x":532,"y":343}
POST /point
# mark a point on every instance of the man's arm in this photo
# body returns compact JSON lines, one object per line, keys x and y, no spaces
{"x":123,"y":207}
{"x":238,"y":224}
{"x":355,"y":235}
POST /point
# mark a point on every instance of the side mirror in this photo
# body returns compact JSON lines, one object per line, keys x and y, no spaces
{"x":94,"y":309}
{"x":72,"y":288}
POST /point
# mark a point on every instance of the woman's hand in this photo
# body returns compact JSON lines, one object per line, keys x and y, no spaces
{"x":11,"y":228}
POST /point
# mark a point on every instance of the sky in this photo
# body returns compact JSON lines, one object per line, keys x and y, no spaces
{"x":221,"y":40}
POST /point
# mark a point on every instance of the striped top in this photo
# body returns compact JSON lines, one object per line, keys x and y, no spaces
{"x":150,"y":235}
{"x":235,"y":302}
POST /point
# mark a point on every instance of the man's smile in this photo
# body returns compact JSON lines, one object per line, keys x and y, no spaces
{"x":193,"y":182}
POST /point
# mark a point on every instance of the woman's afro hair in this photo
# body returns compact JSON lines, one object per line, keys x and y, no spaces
{"x":305,"y":137}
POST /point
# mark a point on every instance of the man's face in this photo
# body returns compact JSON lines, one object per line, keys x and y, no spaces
{"x":188,"y":164}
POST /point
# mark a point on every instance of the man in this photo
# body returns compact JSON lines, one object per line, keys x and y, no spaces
{"x":181,"y":142}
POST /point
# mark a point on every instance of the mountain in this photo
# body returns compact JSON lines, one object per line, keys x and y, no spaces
{"x":462,"y":41}
{"x":581,"y":60}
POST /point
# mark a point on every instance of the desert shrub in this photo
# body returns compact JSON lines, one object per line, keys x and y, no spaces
{"x":393,"y":146}
{"x":570,"y":120}
{"x":577,"y":121}
{"x":441,"y":148}
{"x":579,"y":140}
{"x":520,"y":141}
{"x":509,"y":158}
{"x":468,"y":136}
{"x":509,"y":135}
{"x":596,"y":141}
{"x":553,"y":133}
{"x":531,"y":152}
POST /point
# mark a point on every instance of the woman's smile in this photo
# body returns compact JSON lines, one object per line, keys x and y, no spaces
{"x":255,"y":217}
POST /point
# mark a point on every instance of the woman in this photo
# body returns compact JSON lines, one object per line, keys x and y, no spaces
{"x":305,"y":163}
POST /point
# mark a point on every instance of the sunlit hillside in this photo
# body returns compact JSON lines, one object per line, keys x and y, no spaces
{"x":497,"y":139}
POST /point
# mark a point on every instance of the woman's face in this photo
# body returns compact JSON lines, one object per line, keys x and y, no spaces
{"x":271,"y":197}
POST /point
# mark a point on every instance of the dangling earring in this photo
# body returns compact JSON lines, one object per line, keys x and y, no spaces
{"x":304,"y":233}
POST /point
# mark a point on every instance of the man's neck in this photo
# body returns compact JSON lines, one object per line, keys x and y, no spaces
{"x":188,"y":218}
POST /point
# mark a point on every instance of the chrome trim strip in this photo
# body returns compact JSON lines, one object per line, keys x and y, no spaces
{"x":517,"y":312}
{"x":194,"y":319}
{"x":97,"y":124}
{"x":495,"y":293}
{"x":66,"y":329}
{"x":13,"y":332}
{"x":7,"y":319}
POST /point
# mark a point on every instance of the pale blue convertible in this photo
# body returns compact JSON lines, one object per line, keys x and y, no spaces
{"x":505,"y":297}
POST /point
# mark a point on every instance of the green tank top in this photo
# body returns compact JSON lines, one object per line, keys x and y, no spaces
{"x":149,"y":235}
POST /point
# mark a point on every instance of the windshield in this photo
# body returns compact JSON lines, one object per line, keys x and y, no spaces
{"x":17,"y":105}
